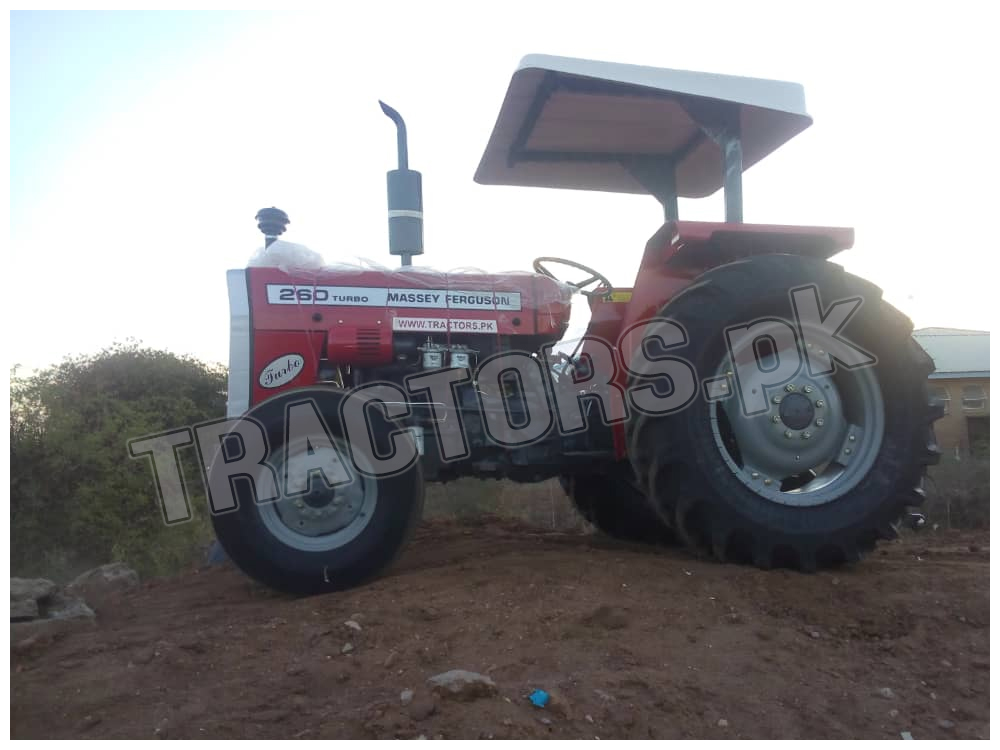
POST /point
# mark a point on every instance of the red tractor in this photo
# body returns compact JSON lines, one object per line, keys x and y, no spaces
{"x":688,"y":413}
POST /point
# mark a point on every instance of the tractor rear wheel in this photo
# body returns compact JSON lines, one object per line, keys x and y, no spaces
{"x":326,"y":539}
{"x":808,"y":483}
{"x":613,"y":504}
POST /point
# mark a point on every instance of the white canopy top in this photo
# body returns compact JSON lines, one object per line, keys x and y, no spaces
{"x":571,"y":123}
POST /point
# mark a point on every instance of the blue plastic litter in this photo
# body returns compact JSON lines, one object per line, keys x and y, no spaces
{"x":539,"y":698}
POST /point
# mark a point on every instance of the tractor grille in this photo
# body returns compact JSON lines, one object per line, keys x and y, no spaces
{"x":368,"y":345}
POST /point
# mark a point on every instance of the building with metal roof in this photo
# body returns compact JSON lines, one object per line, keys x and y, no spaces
{"x":961,"y":383}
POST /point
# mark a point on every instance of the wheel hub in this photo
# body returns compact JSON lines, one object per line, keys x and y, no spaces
{"x":796,"y":411}
{"x":817,"y":437}
{"x":323,"y":517}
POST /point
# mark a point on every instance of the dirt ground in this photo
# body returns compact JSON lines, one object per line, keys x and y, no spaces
{"x":630,"y":641}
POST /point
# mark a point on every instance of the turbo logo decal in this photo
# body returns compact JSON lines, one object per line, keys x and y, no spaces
{"x":281,"y":371}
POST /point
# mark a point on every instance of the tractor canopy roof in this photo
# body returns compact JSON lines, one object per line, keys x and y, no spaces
{"x":589,"y":125}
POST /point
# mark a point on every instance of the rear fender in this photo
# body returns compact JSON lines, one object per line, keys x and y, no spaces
{"x":681,"y":251}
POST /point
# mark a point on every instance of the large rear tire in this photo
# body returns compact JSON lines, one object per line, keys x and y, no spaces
{"x":613,"y":504}
{"x":699,"y":464}
{"x":330,"y":539}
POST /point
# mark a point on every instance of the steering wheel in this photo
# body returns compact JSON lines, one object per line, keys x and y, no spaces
{"x":539,"y":267}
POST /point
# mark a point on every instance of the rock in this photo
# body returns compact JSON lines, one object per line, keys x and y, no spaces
{"x":353,"y":625}
{"x":89,"y":721}
{"x":946,"y":724}
{"x":460,"y":684}
{"x":885,"y":693}
{"x":44,"y":629}
{"x":23,"y":609}
{"x":160,"y":731}
{"x":143,"y":656}
{"x":722,"y":723}
{"x":607,"y":617}
{"x":559,"y":704}
{"x":390,"y":660}
{"x":422,"y":707}
{"x":96,"y":585}
{"x":62,"y":607}
{"x":347,"y":648}
{"x":26,"y":646}
{"x":423,"y":614}
{"x":406,"y":697}
{"x":30,"y":588}
{"x":192,"y":644}
{"x":814,"y":634}
{"x":893,"y":713}
{"x":271,"y":715}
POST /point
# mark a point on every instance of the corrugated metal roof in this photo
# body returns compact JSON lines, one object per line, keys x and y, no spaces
{"x":957,"y":353}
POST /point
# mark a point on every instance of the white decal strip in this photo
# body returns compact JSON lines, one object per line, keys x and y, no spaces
{"x":444,"y":325}
{"x":360,"y":296}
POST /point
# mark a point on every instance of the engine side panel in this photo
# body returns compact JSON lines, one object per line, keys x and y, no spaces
{"x":374,"y":320}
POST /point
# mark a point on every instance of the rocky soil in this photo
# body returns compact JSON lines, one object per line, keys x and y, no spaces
{"x":622,"y":641}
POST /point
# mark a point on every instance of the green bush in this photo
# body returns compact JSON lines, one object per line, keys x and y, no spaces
{"x":958,"y":493}
{"x":77,"y":499}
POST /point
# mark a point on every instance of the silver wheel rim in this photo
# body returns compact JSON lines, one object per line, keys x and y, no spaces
{"x":790,"y":463}
{"x":324,"y":519}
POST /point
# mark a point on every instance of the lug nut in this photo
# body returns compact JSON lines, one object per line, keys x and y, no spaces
{"x":788,"y":434}
{"x":790,"y":387}
{"x":847,"y":451}
{"x":776,"y":399}
{"x":852,"y":438}
{"x":807,"y":389}
{"x":755,"y":475}
{"x":806,"y":435}
{"x":820,"y":403}
{"x":776,"y":419}
{"x":819,"y":422}
{"x":767,"y":482}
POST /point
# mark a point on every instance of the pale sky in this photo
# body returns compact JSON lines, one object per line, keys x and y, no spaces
{"x":142,"y":145}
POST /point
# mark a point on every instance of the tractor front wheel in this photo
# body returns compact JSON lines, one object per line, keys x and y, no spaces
{"x":326,"y":538}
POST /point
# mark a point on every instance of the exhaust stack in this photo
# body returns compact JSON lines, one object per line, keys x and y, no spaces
{"x":406,"y":203}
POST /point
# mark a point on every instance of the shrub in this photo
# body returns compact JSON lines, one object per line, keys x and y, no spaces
{"x":77,"y":499}
{"x":958,"y":493}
